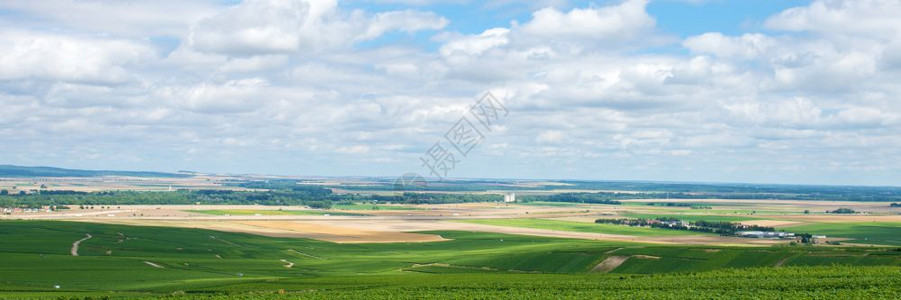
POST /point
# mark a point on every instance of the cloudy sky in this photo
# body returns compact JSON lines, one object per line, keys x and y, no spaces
{"x":779,"y":91}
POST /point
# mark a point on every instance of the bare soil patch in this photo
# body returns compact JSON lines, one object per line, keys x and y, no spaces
{"x":609,"y":264}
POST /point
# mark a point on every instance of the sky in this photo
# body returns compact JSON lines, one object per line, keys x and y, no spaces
{"x":768,"y":91}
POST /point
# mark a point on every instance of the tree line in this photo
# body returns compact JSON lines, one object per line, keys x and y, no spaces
{"x":719,"y":227}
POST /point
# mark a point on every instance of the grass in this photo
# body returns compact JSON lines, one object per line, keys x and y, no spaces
{"x":552,"y":204}
{"x":34,"y":256}
{"x":581,"y":227}
{"x":363,"y":206}
{"x":692,"y":217}
{"x":880,"y":233}
{"x":249,"y":212}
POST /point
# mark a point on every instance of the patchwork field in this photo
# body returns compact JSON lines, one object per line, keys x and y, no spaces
{"x":582,"y":227}
{"x":437,"y":250}
{"x":249,"y":212}
{"x":880,"y":233}
{"x":146,"y":261}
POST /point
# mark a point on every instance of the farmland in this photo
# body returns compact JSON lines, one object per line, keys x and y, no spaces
{"x":249,"y":212}
{"x":140,"y":260}
{"x":313,"y":242}
{"x":581,"y":227}
{"x":882,"y":233}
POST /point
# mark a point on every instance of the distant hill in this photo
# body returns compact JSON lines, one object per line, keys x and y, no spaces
{"x":19,"y":171}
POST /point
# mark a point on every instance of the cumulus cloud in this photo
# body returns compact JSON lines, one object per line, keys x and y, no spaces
{"x":626,"y":21}
{"x":230,"y":97}
{"x":406,"y":20}
{"x":263,"y":26}
{"x":37,"y":55}
{"x":313,"y":87}
{"x":122,"y":18}
{"x":477,"y":44}
{"x":747,"y":46}
{"x":875,"y":18}
{"x":285,"y":26}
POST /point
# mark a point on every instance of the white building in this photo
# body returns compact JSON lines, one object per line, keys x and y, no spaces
{"x":509,"y":197}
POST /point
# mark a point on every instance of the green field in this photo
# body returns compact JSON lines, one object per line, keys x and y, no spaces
{"x":692,"y":217}
{"x":250,"y":212}
{"x":34,"y":256}
{"x":880,"y":233}
{"x":363,"y":206}
{"x":553,"y":204}
{"x":582,"y":227}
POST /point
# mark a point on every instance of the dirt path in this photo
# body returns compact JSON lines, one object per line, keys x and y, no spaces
{"x":224,"y":241}
{"x":614,"y":250}
{"x":609,"y":264}
{"x":74,"y":250}
{"x":304,"y":254}
{"x":154,"y":265}
{"x":288,"y":263}
{"x":781,"y":262}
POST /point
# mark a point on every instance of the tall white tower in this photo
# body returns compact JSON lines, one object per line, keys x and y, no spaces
{"x":509,"y":197}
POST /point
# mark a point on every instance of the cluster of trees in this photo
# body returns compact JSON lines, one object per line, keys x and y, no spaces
{"x":594,"y":198}
{"x":670,"y":204}
{"x":680,"y":204}
{"x":895,"y":205}
{"x":842,"y":211}
{"x":316,"y":197}
{"x":274,"y":192}
{"x":722,"y":228}
{"x":7,"y":193}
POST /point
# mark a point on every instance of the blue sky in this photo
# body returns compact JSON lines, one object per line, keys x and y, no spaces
{"x":679,"y":18}
{"x":738,"y":91}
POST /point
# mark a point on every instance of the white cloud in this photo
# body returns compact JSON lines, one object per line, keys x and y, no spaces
{"x":358,"y":149}
{"x":254,"y":63}
{"x":289,"y":85}
{"x":874,"y":18}
{"x":623,"y":22}
{"x":263,"y":26}
{"x":550,"y":136}
{"x":230,"y":97}
{"x":286,"y":26}
{"x":406,"y":20}
{"x":121,"y":18}
{"x":42,"y":56}
{"x":477,"y":44}
{"x":747,"y":46}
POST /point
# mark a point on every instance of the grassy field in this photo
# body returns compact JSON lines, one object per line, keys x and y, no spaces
{"x":152,"y":261}
{"x":880,"y":233}
{"x":362,"y":206}
{"x":581,"y":227}
{"x":248,"y":212}
{"x":552,"y":204}
{"x":692,"y":217}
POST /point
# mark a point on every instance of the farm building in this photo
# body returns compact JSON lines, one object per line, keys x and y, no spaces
{"x":509,"y":197}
